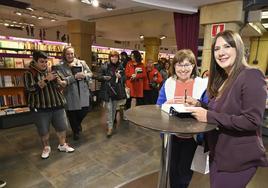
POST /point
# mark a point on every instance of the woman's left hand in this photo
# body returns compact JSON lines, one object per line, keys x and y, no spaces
{"x":199,"y":113}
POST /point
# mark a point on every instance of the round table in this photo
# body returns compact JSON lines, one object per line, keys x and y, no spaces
{"x":152,"y":117}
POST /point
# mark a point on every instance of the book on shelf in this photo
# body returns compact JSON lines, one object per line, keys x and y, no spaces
{"x":26,"y":62}
{"x":7,"y":81}
{"x":9,"y":62}
{"x":2,"y":62}
{"x":11,"y":100}
{"x":18,"y":63}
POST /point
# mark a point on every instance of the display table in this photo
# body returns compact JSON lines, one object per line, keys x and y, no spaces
{"x":151,"y":117}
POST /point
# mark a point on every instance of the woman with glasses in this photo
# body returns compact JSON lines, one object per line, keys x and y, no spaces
{"x":237,"y":95}
{"x":182,"y":86}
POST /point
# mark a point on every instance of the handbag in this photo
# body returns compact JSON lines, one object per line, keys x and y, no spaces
{"x":200,"y":161}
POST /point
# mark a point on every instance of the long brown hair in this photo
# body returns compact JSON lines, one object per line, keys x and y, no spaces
{"x":179,"y":57}
{"x":217,"y":75}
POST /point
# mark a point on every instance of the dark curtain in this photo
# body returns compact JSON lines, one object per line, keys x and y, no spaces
{"x":187,"y":30}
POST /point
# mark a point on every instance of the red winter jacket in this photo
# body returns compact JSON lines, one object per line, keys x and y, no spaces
{"x":135,"y":85}
{"x":150,"y":75}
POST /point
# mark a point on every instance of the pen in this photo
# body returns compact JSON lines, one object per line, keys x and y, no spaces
{"x":185,"y":95}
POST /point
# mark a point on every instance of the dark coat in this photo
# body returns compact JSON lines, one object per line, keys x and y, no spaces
{"x":237,"y":144}
{"x":112,"y":89}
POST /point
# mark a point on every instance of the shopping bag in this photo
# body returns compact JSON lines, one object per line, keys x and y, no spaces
{"x":200,"y":161}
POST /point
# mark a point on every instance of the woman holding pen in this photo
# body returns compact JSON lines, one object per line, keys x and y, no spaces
{"x":183,"y":86}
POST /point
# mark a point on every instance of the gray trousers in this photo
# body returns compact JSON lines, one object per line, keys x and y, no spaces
{"x":110,"y":112}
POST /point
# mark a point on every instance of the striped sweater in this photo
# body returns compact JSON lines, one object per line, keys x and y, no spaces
{"x":45,"y":98}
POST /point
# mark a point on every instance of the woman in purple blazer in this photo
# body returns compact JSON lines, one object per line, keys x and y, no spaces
{"x":237,"y":95}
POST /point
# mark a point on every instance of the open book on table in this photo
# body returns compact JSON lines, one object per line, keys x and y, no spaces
{"x":176,"y":109}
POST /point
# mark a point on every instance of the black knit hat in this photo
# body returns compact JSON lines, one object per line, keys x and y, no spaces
{"x":39,"y":54}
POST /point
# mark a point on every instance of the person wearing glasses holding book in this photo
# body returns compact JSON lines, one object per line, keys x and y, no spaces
{"x":179,"y":88}
{"x":75,"y":75}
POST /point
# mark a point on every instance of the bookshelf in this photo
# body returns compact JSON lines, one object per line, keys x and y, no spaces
{"x":15,"y":57}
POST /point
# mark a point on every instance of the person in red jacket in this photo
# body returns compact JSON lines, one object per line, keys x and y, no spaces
{"x":135,"y":74}
{"x":152,"y":83}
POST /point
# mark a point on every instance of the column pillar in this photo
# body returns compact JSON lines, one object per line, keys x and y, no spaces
{"x":152,"y":45}
{"x":230,"y":13}
{"x":81,"y":37}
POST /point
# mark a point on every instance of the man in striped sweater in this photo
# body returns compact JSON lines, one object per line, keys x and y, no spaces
{"x":46,"y":102}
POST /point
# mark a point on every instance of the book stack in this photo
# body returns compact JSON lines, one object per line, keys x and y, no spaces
{"x":11,"y":100}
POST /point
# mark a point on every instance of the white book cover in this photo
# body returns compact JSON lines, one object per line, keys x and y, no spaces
{"x":180,"y":108}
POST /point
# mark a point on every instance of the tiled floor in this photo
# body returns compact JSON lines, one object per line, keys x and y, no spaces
{"x":98,"y":162}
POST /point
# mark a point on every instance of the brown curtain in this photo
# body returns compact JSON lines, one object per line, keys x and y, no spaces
{"x":187,"y":30}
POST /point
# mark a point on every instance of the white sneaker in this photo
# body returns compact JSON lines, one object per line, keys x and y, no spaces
{"x":45,"y":153}
{"x":65,"y":148}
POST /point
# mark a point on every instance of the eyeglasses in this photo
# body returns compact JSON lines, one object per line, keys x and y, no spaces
{"x":184,"y":65}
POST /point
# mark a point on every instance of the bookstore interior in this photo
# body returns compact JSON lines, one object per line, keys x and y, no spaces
{"x":27,"y":25}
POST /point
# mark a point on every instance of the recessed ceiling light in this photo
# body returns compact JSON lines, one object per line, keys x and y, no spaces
{"x":18,"y":13}
{"x":95,"y":3}
{"x":30,"y":9}
{"x":163,"y":37}
{"x":6,"y":24}
{"x":141,"y":36}
{"x":264,"y":15}
{"x":52,"y":20}
{"x":40,"y":18}
{"x":265,"y":25}
{"x":33,"y":16}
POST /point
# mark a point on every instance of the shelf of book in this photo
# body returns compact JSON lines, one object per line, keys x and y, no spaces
{"x":15,"y":58}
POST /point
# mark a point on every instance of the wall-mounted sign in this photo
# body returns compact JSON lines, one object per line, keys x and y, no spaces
{"x":217,"y":28}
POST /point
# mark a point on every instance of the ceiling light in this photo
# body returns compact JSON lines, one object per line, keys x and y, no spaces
{"x":86,"y":1}
{"x":95,"y":3}
{"x":18,"y":13}
{"x":6,"y":24}
{"x":264,"y":15}
{"x":40,"y":18}
{"x":163,"y":37}
{"x":265,"y":25}
{"x":52,"y":20}
{"x":30,"y":9}
{"x":141,"y":36}
{"x":33,"y":16}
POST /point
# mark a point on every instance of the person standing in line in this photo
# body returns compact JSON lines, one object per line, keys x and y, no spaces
{"x":237,"y":95}
{"x":112,"y":88}
{"x":46,"y":102}
{"x":75,"y":74}
{"x":124,"y":59}
{"x":183,"y":80}
{"x":165,"y":72}
{"x":135,"y":74}
{"x":152,"y":83}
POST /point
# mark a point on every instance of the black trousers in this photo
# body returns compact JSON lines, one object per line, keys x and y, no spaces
{"x":76,"y":117}
{"x":182,"y":152}
{"x":150,"y":96}
{"x":139,"y":101}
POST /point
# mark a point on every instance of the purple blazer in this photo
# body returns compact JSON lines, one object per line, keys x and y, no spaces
{"x":237,"y":143}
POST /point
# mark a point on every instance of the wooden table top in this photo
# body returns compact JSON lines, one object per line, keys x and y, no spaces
{"x":151,"y":117}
